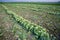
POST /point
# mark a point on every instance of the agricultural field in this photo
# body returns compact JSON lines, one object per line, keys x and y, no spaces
{"x":46,"y":16}
{"x":10,"y":29}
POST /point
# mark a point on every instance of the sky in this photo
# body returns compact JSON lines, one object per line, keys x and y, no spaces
{"x":29,"y":0}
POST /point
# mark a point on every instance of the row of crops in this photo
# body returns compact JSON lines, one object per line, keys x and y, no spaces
{"x":50,"y":9}
{"x":40,"y":32}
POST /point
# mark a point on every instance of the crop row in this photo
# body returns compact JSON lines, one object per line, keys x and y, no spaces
{"x":40,"y":32}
